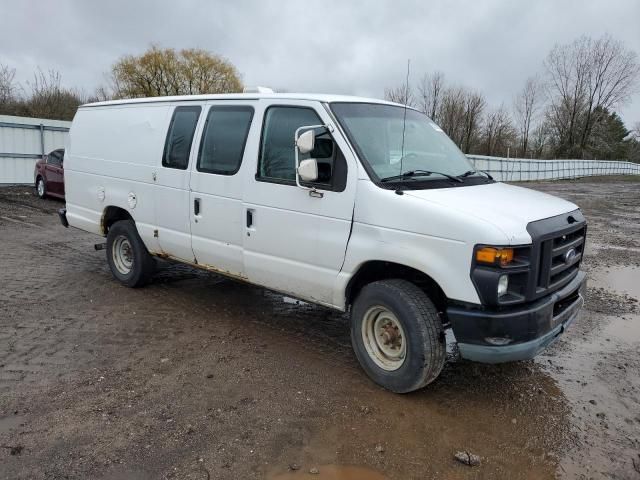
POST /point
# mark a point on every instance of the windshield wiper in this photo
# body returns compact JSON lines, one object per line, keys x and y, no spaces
{"x":419,"y":173}
{"x":472,"y":172}
{"x":467,"y":173}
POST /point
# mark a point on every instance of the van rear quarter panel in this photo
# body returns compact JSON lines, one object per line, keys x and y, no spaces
{"x":115,"y":149}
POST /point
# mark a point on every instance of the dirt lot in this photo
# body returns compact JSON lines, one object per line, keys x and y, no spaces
{"x":198,"y":377}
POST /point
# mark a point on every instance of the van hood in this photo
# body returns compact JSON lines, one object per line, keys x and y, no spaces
{"x":507,"y":207}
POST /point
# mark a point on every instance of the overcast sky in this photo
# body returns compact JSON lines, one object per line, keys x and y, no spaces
{"x":352,"y":47}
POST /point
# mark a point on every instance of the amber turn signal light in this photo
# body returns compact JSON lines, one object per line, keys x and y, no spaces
{"x":492,"y":255}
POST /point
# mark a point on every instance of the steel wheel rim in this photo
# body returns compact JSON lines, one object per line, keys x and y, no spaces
{"x":384,"y":338}
{"x":40,"y":187}
{"x":122,"y":254}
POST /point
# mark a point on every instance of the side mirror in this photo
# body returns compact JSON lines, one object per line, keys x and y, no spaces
{"x":308,"y":170}
{"x":306,"y":142}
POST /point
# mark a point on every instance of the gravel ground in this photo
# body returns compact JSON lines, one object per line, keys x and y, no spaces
{"x":199,"y":377}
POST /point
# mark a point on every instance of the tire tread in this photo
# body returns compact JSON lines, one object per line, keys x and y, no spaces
{"x":428,"y":323}
{"x":144,"y":264}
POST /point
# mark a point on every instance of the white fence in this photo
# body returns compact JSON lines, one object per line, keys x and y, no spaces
{"x":523,"y":169}
{"x":23,"y":141}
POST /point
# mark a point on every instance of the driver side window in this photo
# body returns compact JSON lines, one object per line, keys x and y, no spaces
{"x":276,"y":161}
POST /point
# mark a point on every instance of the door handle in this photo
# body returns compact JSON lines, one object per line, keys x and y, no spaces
{"x":196,"y":206}
{"x":249,"y":218}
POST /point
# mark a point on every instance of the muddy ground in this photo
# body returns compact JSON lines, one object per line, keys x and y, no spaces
{"x":199,"y":377}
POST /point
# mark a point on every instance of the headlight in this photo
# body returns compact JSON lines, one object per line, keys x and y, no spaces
{"x":501,"y":274}
{"x":494,"y":255}
{"x":503,"y":285}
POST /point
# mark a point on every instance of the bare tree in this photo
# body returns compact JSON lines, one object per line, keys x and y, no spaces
{"x":101,"y":94}
{"x":611,"y":78}
{"x":402,"y":94}
{"x":459,"y":114}
{"x":498,"y":132}
{"x":567,"y":70}
{"x":539,"y":141}
{"x":586,"y":77}
{"x":49,"y":99}
{"x":457,"y":110}
{"x":8,"y":86}
{"x":430,"y":91}
{"x":474,"y":106}
{"x":526,"y":106}
{"x":451,"y":113}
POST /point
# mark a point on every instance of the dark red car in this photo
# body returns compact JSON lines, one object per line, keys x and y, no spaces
{"x":49,"y":175}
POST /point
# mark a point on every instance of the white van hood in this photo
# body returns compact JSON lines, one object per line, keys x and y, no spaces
{"x":507,"y":207}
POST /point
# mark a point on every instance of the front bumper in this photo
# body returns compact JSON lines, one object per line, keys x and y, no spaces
{"x":519,"y":333}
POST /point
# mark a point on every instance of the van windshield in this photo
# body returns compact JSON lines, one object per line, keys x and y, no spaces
{"x":376,"y":131}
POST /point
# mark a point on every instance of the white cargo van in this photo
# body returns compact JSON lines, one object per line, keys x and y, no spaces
{"x":356,"y":204}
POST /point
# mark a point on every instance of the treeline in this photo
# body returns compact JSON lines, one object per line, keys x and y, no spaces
{"x":157,"y":72}
{"x":43,"y":97}
{"x":566,"y":111}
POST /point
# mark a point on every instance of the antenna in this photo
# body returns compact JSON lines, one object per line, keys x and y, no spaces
{"x":404,"y":118}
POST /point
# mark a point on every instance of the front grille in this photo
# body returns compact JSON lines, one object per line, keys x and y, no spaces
{"x":560,"y":258}
{"x":552,"y":238}
{"x":550,"y":262}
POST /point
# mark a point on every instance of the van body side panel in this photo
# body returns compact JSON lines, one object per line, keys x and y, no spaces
{"x":440,"y":244}
{"x":297,"y":242}
{"x":172,"y":195}
{"x":217,"y":231}
{"x":292,"y":250}
{"x":110,"y":160}
{"x":172,"y":213}
{"x":440,"y":258}
{"x":216,"y":237}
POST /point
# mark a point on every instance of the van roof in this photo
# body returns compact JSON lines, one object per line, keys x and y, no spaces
{"x":245,"y":96}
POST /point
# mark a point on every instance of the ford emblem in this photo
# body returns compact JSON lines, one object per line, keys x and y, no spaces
{"x":569,"y":256}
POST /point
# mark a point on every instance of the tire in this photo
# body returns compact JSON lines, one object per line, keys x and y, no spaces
{"x":128,"y":258}
{"x":41,"y":192}
{"x":411,"y":349}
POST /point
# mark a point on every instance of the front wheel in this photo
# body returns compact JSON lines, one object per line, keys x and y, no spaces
{"x":397,"y":335}
{"x":128,"y":258}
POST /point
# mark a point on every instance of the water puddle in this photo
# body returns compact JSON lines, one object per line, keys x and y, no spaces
{"x":12,"y":422}
{"x":625,"y":280}
{"x":597,"y":367}
{"x":623,"y":326}
{"x":331,"y":472}
{"x":625,"y":330}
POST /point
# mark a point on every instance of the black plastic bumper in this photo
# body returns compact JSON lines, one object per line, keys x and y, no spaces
{"x":518,"y":333}
{"x":62,"y":213}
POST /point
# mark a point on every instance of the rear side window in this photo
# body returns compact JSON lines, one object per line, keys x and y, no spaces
{"x":223,"y":140}
{"x":180,"y":136}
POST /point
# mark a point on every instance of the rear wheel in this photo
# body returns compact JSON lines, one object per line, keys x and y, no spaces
{"x":128,"y":258}
{"x":41,"y":187}
{"x":397,"y":335}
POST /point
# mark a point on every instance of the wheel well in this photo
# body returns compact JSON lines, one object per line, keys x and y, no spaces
{"x":111,"y":215}
{"x":379,"y":270}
